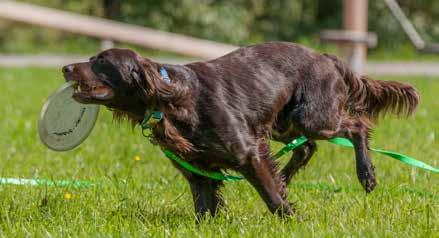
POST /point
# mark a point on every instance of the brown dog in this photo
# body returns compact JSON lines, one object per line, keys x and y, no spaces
{"x":221,"y":114}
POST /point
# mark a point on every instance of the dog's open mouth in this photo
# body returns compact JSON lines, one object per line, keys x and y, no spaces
{"x":96,"y":93}
{"x":88,"y":87}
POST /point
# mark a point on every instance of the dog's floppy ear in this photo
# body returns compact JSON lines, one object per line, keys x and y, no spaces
{"x":148,"y":78}
{"x":174,"y":95}
{"x":140,"y":82}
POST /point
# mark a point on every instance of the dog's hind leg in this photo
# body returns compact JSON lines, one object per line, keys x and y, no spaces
{"x":357,"y":130}
{"x":320,"y":115}
{"x":299,"y":159}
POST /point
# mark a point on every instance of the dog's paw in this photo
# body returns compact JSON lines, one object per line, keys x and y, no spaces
{"x":284,"y":210}
{"x":369,"y":184}
{"x":367,"y":179}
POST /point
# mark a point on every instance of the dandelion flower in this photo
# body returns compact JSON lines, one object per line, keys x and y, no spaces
{"x":136,"y":158}
{"x":68,"y":196}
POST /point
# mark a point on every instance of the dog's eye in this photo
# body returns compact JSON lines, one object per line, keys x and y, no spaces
{"x":101,"y":60}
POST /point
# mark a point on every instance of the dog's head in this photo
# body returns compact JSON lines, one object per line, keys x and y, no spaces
{"x":113,"y":78}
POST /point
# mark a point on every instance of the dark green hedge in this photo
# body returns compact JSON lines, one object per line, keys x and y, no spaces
{"x":232,"y":21}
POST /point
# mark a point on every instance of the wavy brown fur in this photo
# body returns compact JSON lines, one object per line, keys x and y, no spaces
{"x":373,"y":98}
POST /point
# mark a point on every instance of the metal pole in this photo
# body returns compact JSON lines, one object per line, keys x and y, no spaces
{"x":355,"y":19}
{"x":406,"y":24}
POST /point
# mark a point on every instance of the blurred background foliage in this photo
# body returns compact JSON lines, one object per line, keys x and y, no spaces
{"x":238,"y":22}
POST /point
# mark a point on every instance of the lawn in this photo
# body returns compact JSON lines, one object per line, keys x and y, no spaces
{"x":148,"y":197}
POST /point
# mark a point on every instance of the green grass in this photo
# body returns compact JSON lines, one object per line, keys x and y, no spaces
{"x":155,"y":200}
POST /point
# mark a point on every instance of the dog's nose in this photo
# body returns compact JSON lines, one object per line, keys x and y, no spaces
{"x":68,"y":69}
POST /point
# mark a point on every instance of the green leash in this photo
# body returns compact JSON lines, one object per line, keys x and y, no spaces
{"x":290,"y":147}
{"x":403,"y":158}
{"x":195,"y":170}
{"x":157,"y":116}
{"x":220,"y":176}
{"x":154,"y":117}
{"x":217,"y":175}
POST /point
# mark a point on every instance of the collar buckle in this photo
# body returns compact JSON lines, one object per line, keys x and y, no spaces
{"x":152,"y":119}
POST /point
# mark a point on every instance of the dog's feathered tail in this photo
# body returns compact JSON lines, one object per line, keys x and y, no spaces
{"x":376,"y":97}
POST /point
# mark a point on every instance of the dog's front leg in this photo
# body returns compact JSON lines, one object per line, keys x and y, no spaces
{"x":261,"y":171}
{"x":206,"y":195}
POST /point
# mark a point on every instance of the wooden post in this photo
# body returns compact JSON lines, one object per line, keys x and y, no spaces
{"x":355,"y":19}
{"x":112,"y":10}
